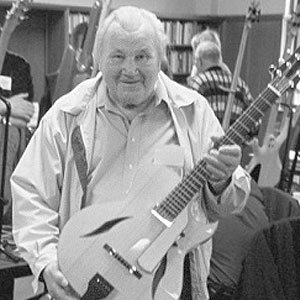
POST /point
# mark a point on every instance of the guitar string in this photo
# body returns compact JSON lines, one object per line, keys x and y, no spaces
{"x":182,"y":194}
{"x":176,"y":201}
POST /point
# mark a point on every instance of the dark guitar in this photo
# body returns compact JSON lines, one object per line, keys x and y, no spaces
{"x":71,"y":66}
{"x":267,"y":156}
{"x":251,"y":17}
{"x":13,"y":18}
{"x":135,"y":251}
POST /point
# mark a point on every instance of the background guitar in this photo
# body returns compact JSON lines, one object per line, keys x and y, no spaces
{"x":13,"y":18}
{"x":77,"y":63}
{"x":266,"y":164}
{"x":251,"y":17}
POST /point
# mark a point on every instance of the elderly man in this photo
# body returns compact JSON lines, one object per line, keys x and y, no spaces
{"x":103,"y":142}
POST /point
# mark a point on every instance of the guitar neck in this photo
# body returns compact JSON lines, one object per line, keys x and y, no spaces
{"x":182,"y":194}
{"x":237,"y":70}
{"x":84,"y":60}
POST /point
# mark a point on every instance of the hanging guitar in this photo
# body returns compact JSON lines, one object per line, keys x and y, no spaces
{"x":13,"y":18}
{"x":266,"y":163}
{"x":75,"y":68}
{"x":251,"y":17}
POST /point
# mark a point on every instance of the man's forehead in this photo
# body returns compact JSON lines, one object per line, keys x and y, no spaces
{"x":139,"y":31}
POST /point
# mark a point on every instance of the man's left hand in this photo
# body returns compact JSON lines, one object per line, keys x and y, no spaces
{"x":222,"y":162}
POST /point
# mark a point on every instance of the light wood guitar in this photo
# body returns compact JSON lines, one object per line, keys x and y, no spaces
{"x":266,"y":162}
{"x":134,"y":249}
{"x":251,"y":17}
{"x":85,"y":60}
{"x":77,"y":64}
{"x":13,"y":18}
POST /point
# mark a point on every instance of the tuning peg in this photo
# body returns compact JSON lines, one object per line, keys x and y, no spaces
{"x":292,"y":84}
{"x":272,"y":70}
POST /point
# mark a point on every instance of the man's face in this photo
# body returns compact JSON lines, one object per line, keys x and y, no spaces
{"x":130,"y":65}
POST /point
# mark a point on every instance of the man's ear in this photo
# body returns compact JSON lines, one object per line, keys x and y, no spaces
{"x":199,"y":63}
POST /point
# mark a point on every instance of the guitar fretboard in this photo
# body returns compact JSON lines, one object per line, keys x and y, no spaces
{"x":191,"y":184}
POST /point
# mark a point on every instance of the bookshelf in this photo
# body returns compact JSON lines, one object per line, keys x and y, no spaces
{"x":180,"y":33}
{"x":43,"y":36}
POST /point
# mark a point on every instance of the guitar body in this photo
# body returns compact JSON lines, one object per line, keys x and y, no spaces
{"x":61,"y":82}
{"x":267,"y":157}
{"x":125,"y":252}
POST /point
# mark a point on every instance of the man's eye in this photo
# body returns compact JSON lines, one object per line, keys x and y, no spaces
{"x":142,"y":58}
{"x":117,"y":57}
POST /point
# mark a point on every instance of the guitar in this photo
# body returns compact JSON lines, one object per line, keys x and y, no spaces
{"x":251,"y":17}
{"x":85,"y":60}
{"x":266,"y":158}
{"x":13,"y":18}
{"x":73,"y":69}
{"x":135,"y":251}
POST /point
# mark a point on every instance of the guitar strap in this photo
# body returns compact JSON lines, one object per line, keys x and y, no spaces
{"x":80,"y":160}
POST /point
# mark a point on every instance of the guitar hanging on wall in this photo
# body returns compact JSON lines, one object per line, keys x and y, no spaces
{"x":131,"y":251}
{"x":266,"y":163}
{"x":251,"y":17}
{"x":77,"y":64}
{"x":13,"y":18}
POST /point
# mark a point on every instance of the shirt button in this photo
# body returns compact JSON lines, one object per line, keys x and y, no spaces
{"x":130,"y":166}
{"x":133,"y":139}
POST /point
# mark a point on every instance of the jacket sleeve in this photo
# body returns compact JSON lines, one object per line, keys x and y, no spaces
{"x":36,"y":186}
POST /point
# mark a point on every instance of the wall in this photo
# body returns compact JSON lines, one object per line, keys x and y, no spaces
{"x":240,"y":7}
{"x":35,"y":27}
{"x":176,"y":7}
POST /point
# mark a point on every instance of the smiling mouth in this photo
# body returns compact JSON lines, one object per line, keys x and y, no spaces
{"x":130,"y":82}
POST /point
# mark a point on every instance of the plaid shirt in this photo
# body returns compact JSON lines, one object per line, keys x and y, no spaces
{"x":213,"y":84}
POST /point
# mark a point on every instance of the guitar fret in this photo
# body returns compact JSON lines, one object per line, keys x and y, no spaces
{"x":250,"y":117}
{"x":191,"y":184}
{"x":239,"y":136}
{"x":238,"y":122}
{"x":258,"y":110}
{"x":175,"y":206}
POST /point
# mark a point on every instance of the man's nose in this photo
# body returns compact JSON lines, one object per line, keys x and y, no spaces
{"x":130,"y":66}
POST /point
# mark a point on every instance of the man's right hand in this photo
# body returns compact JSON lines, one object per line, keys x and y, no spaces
{"x":57,"y":284}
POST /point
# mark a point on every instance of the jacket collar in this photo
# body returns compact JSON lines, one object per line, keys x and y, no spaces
{"x":167,"y":90}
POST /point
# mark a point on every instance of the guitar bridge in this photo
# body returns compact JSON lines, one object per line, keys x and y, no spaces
{"x":131,"y":268}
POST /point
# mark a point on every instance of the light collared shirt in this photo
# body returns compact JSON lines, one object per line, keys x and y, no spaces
{"x":124,"y":151}
{"x":52,"y":192}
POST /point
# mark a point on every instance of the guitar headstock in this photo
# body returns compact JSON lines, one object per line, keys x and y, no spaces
{"x":253,"y":13}
{"x":287,"y":75}
{"x":295,"y":17}
{"x":16,"y":14}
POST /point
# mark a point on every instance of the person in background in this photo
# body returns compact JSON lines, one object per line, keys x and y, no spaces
{"x":105,"y":140}
{"x":17,"y":71}
{"x":214,"y":83}
{"x":235,"y":236}
{"x":211,"y":35}
{"x":231,"y":243}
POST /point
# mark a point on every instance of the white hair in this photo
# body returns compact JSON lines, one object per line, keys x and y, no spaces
{"x":131,"y":18}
